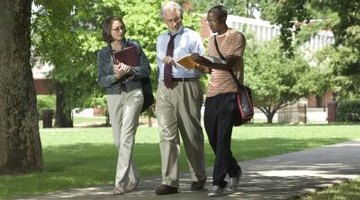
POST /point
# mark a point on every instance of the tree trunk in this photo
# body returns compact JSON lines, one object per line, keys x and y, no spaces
{"x":270,"y":117}
{"x":63,"y":114}
{"x":20,"y":146}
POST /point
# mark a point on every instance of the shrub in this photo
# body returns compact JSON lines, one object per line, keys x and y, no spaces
{"x":348,"y":110}
{"x":45,"y":102}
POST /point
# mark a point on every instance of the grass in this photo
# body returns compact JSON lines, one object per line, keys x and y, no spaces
{"x":348,"y":190}
{"x":80,"y":157}
{"x":78,"y":120}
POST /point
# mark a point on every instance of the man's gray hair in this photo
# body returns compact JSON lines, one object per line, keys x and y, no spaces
{"x":171,"y":5}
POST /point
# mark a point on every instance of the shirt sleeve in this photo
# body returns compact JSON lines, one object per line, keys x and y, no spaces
{"x":198,"y":45}
{"x":238,"y":43}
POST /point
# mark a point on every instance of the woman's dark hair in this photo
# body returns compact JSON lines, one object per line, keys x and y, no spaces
{"x":106,"y":28}
{"x":220,"y":12}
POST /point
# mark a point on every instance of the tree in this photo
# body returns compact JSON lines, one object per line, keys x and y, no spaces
{"x":245,"y":8}
{"x":277,"y":80}
{"x":343,"y":19}
{"x":20,"y":146}
{"x":56,"y":38}
{"x":78,"y":24}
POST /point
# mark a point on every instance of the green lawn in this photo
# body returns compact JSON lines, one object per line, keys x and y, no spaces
{"x":345,"y":191}
{"x":80,"y":157}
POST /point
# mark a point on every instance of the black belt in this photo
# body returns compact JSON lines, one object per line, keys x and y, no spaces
{"x":183,"y":79}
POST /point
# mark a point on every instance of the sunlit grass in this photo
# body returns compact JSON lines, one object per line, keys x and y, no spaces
{"x":345,"y":191}
{"x":80,"y":157}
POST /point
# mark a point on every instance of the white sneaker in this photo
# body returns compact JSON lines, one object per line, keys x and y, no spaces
{"x":216,"y":191}
{"x":234,"y":182}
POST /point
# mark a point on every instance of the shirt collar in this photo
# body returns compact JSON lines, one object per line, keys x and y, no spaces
{"x":179,"y":32}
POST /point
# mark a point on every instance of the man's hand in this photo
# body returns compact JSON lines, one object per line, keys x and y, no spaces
{"x":203,"y":68}
{"x":196,"y":57}
{"x":169,"y":60}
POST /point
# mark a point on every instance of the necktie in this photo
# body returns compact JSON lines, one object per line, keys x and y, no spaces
{"x":168,"y":67}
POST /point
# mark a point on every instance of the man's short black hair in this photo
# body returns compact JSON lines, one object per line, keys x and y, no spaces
{"x":220,"y":12}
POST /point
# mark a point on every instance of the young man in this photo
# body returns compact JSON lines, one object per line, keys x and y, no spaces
{"x":220,"y":103}
{"x":178,"y":102}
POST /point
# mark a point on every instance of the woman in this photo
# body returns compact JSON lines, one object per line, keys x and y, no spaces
{"x":124,"y":98}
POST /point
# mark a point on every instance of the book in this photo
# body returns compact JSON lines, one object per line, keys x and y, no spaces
{"x":128,"y":55}
{"x":189,"y":63}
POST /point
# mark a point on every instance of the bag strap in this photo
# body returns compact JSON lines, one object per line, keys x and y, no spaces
{"x":217,"y":48}
{"x":223,"y":58}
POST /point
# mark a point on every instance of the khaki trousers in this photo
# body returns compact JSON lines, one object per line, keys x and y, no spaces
{"x":178,"y":110}
{"x":124,"y":110}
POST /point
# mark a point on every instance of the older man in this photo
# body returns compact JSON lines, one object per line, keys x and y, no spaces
{"x":178,"y":102}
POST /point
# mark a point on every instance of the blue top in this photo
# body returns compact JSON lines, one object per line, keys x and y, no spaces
{"x":186,"y":42}
{"x":106,"y":76}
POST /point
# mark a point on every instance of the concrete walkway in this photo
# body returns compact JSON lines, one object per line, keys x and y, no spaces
{"x":277,"y":177}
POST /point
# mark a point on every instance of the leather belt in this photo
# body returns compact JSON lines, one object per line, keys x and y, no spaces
{"x":183,"y":79}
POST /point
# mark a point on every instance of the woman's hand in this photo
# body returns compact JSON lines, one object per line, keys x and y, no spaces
{"x":121,"y":70}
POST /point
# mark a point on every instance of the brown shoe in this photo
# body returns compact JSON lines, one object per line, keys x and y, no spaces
{"x":166,"y":189}
{"x":195,"y":186}
{"x":131,"y":187}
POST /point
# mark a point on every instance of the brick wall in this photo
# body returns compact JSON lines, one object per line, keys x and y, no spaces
{"x":43,"y":86}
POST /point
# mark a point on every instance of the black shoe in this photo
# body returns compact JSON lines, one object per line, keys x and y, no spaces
{"x":197,"y":185}
{"x":166,"y":189}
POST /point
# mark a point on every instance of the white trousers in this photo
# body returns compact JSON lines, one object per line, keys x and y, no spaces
{"x":124,"y":110}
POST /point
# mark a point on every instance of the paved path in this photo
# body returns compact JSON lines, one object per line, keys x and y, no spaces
{"x":277,"y":177}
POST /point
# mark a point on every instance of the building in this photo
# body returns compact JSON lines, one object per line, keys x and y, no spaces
{"x":264,"y":31}
{"x":43,"y":85}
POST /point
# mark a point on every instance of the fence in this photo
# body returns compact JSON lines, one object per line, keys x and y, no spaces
{"x":295,"y":115}
{"x":288,"y":115}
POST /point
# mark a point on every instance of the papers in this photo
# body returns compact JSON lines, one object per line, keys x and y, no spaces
{"x":187,"y":61}
{"x":128,"y":55}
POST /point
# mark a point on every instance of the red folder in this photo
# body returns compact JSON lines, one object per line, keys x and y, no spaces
{"x":128,"y":55}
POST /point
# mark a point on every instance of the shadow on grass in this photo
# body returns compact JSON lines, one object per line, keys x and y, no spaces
{"x":84,"y":164}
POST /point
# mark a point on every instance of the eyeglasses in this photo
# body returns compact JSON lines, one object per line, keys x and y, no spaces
{"x":175,"y":20}
{"x":117,"y":29}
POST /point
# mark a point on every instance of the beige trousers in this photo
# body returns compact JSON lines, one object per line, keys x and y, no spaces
{"x":178,"y":110}
{"x":124,"y":111}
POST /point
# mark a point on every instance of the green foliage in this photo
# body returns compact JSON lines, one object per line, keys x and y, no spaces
{"x":68,"y":34}
{"x":346,"y":62}
{"x":57,"y":31}
{"x":343,"y":18}
{"x":348,"y":110}
{"x":345,"y":190}
{"x":243,"y":8}
{"x":286,"y":13}
{"x":345,"y":86}
{"x":45,"y":102}
{"x":277,"y":80}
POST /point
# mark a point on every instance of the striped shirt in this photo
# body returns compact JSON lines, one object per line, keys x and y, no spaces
{"x":230,"y":43}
